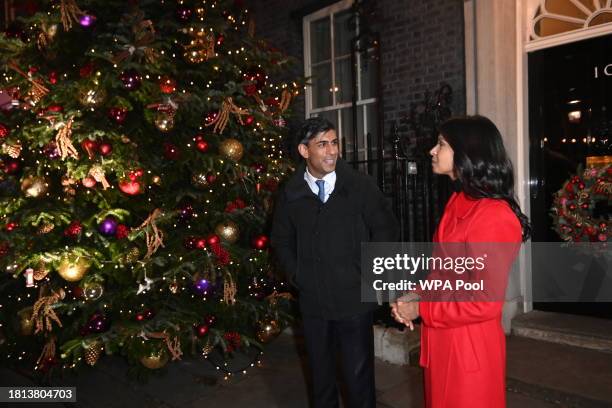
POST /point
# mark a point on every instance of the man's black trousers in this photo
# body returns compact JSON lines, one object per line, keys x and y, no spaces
{"x":354,"y":338}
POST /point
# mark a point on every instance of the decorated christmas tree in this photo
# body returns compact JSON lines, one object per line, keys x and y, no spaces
{"x":140,"y":153}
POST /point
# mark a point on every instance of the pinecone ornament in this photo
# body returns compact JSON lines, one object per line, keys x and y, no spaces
{"x":92,"y":353}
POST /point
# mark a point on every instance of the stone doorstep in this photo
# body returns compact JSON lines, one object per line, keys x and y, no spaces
{"x":579,"y":331}
{"x":395,"y":346}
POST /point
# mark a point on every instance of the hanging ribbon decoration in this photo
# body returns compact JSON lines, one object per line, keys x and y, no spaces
{"x":62,"y":139}
{"x":229,"y":290}
{"x":273,"y":298}
{"x":222,"y":118}
{"x":42,"y":312}
{"x":156,"y":239}
{"x":38,"y":90}
{"x":98,"y":174}
{"x":70,"y":13}
{"x":144,"y":34}
{"x":173,"y":345}
{"x":48,"y":351}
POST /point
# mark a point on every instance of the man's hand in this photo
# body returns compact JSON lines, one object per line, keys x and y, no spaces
{"x":405,"y":312}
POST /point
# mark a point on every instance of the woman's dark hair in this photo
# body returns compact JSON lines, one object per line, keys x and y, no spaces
{"x":481,"y":163}
{"x":312,"y":127}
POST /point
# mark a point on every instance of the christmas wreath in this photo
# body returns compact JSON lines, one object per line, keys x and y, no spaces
{"x":581,"y":209}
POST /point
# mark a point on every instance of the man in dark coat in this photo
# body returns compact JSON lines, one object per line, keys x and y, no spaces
{"x":323,"y":214}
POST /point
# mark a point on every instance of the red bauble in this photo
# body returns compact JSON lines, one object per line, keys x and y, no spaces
{"x":213,"y":239}
{"x":89,"y":182}
{"x":240,"y":203}
{"x":54,"y":108}
{"x":139,"y":172}
{"x":171,"y":152}
{"x":233,"y":340}
{"x":210,"y":177}
{"x":118,"y":114}
{"x":74,"y":229}
{"x":90,"y":146}
{"x":581,"y":186}
{"x":201,"y":330}
{"x":11,"y":226}
{"x":602,"y":237}
{"x":201,"y":144}
{"x":167,"y":85}
{"x":249,"y":120}
{"x":572,"y":207}
{"x":53,"y":77}
{"x":130,"y":187}
{"x":122,"y":231}
{"x":260,"y":242}
{"x":105,"y":148}
{"x":200,"y":243}
{"x":12,"y":166}
{"x":4,"y":131}
{"x":220,"y":39}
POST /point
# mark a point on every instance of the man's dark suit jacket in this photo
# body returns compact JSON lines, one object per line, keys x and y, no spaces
{"x":319,"y":245}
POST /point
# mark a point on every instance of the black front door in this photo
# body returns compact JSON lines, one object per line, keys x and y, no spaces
{"x":570,"y":121}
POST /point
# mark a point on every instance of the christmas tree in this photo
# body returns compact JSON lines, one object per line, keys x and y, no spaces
{"x":140,"y":151}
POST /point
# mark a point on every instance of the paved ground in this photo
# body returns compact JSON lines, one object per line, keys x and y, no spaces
{"x":541,"y":375}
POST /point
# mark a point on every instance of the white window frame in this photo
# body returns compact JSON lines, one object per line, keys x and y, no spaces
{"x":309,"y":111}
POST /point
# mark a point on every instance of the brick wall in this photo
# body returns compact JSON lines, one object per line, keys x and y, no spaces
{"x":422,"y":46}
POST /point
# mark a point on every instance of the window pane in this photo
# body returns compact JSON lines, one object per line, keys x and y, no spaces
{"x":342,"y":34}
{"x":343,"y":80}
{"x":321,"y":86}
{"x":372,"y":129}
{"x":369,"y":75}
{"x":332,"y":116}
{"x":360,"y":135}
{"x":320,"y":40}
{"x":347,"y":133}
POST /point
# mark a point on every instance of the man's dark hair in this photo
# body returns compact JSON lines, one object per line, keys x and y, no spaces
{"x":312,"y":127}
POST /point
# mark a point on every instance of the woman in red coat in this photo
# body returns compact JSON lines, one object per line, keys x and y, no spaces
{"x":463,"y":349}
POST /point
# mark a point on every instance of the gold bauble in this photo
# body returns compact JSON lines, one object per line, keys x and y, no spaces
{"x":26,"y":323}
{"x":156,"y":180}
{"x":73,"y":268}
{"x":92,"y":96}
{"x":232,"y":149}
{"x":41,"y":272}
{"x":228,"y":231}
{"x":164,"y":121}
{"x":92,"y":353}
{"x":268,"y":329}
{"x":155,"y":360}
{"x":199,"y":180}
{"x":34,"y":186}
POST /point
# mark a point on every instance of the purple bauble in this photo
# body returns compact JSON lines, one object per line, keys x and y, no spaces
{"x":51,"y":151}
{"x":131,"y":79}
{"x":87,"y":20}
{"x":201,"y":286}
{"x":98,"y":323}
{"x":108,"y":227}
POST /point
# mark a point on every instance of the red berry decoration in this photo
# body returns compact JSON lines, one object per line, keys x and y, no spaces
{"x":220,"y":39}
{"x":213,"y":239}
{"x":201,"y":330}
{"x":105,"y":148}
{"x":260,"y":242}
{"x":4,"y":131}
{"x":11,"y":226}
{"x":122,"y":231}
{"x":73,"y":230}
{"x":249,"y":120}
{"x":53,"y":77}
{"x":118,"y":114}
{"x":201,"y":144}
{"x":210,"y":117}
{"x":167,"y":85}
{"x":12,"y":166}
{"x":211,"y":178}
{"x":200,"y":243}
